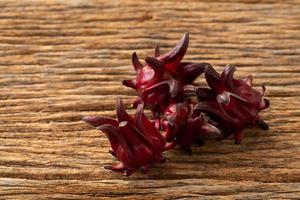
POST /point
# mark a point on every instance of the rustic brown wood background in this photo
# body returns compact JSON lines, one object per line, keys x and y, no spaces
{"x":60,"y":60}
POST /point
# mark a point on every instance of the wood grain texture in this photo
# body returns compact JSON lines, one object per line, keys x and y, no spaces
{"x":60,"y":60}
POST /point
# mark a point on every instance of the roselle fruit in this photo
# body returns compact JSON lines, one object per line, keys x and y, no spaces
{"x":163,"y":78}
{"x":165,"y":85}
{"x":134,"y":140}
{"x":184,"y":128}
{"x":232,"y":104}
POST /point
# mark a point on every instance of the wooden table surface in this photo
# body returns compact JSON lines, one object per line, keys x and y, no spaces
{"x":61,"y":60}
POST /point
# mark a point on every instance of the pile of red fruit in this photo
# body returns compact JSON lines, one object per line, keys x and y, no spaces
{"x":164,"y":84}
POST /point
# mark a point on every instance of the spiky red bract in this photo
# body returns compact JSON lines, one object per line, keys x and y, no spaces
{"x":163,"y":78}
{"x":183,"y":127}
{"x":232,"y":103}
{"x":134,"y":140}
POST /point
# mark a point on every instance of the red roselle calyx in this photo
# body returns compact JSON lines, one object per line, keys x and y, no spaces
{"x":163,"y":78}
{"x":231,"y":103}
{"x":164,"y":84}
{"x":135,"y":142}
{"x":184,"y":128}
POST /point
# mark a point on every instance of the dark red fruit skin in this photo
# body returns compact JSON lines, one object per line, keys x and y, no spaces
{"x":135,"y":142}
{"x":231,"y":103}
{"x":183,"y":127}
{"x":163,"y":78}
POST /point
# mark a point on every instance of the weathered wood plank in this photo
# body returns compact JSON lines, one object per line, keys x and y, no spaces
{"x":60,"y":60}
